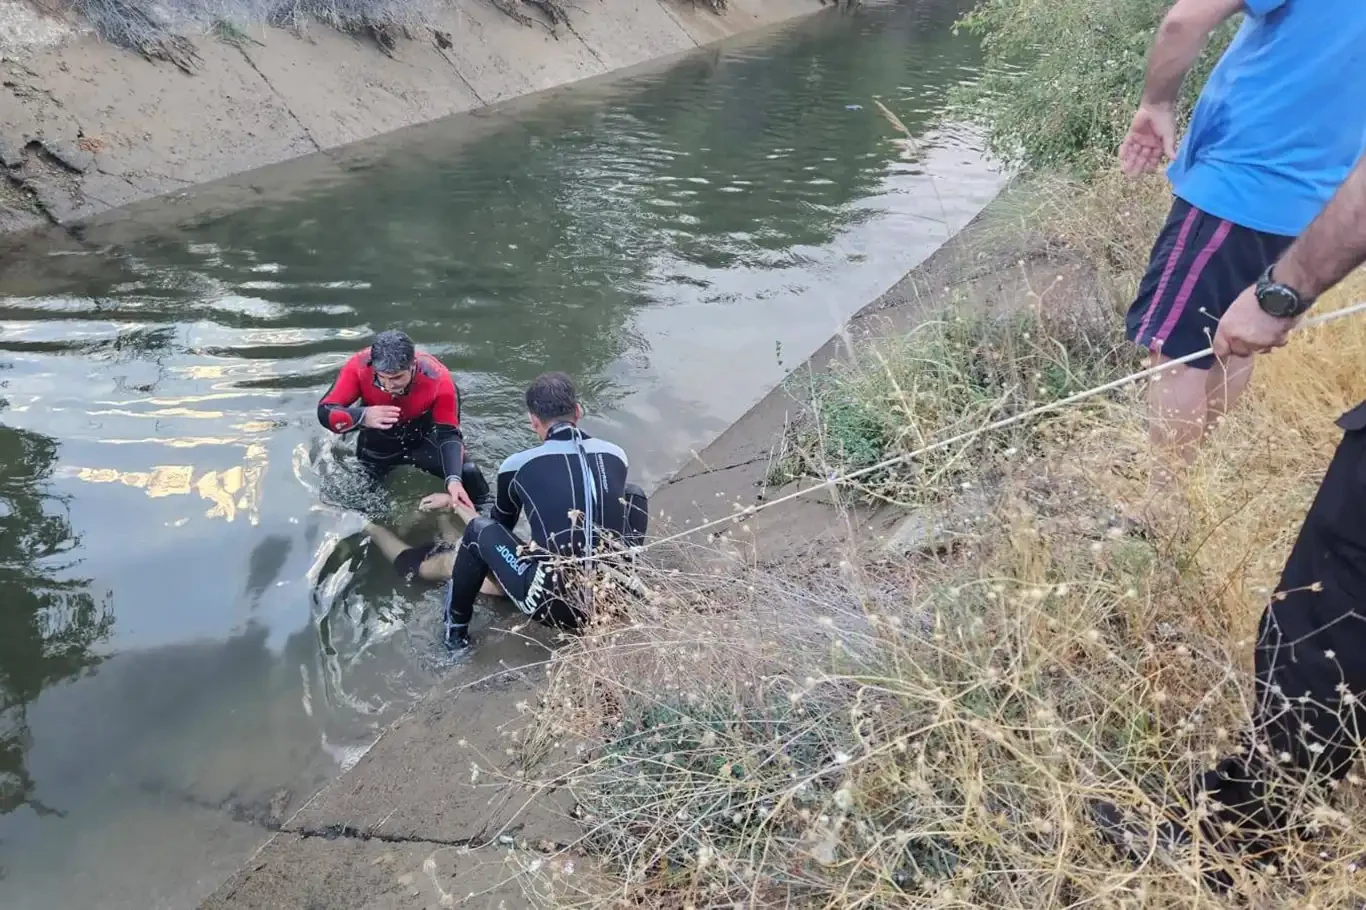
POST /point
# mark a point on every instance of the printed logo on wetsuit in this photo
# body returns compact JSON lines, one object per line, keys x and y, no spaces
{"x":535,"y":591}
{"x":510,"y":558}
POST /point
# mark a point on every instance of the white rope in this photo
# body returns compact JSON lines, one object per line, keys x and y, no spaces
{"x":1001,"y":424}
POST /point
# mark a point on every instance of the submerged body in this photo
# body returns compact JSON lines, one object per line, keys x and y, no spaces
{"x":429,"y":562}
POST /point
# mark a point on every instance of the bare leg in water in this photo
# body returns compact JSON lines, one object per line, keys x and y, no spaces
{"x":389,"y":543}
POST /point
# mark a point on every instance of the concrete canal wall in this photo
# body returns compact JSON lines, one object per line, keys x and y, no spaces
{"x":86,"y":126}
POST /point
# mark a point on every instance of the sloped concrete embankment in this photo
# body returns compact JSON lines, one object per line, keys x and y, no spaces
{"x":86,"y":126}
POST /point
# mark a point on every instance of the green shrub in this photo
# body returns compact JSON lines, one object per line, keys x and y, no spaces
{"x":948,"y":376}
{"x":1062,"y":77}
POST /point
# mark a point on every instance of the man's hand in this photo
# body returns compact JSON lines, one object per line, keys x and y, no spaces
{"x":1151,"y":135}
{"x":380,"y":416}
{"x":461,"y":502}
{"x":1247,"y":329}
{"x":434,"y":501}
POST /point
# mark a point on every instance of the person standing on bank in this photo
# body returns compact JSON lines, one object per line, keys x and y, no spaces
{"x":407,"y":409}
{"x":577,"y":500}
{"x":1309,"y":716}
{"x":1277,"y":127}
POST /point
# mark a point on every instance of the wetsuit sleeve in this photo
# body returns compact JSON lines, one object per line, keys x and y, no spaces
{"x":450,"y":442}
{"x":507,"y":507}
{"x":339,"y":410}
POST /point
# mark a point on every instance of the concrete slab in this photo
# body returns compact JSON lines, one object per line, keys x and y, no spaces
{"x":182,"y":130}
{"x":732,"y":472}
{"x":153,"y":128}
{"x":624,"y":33}
{"x":705,"y":26}
{"x":341,"y":89}
{"x":501,"y":58}
{"x":347,"y":873}
{"x":443,"y":774}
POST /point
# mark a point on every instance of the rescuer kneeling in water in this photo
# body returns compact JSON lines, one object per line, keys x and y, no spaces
{"x":407,"y":409}
{"x":578,"y":504}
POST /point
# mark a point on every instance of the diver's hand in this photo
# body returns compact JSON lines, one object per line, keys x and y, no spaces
{"x":461,"y":502}
{"x":380,"y":416}
{"x":435,"y":501}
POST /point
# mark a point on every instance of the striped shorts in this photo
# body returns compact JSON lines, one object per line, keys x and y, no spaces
{"x":1199,"y":265}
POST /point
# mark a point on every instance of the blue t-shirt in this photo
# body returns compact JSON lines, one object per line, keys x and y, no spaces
{"x":1282,"y":119}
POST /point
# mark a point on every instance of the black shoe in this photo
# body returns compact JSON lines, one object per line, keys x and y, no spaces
{"x":1137,"y":841}
{"x":1136,"y":528}
{"x":456,"y":639}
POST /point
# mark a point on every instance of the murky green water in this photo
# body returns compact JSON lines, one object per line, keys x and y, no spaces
{"x":177,"y":671}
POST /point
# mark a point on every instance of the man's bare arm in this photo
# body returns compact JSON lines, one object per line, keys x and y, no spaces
{"x":1179,"y":40}
{"x":1332,"y":246}
{"x":1334,"y":243}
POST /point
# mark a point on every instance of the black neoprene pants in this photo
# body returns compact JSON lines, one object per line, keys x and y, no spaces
{"x":380,"y":454}
{"x":529,"y":580}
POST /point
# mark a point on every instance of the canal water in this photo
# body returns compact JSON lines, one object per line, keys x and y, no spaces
{"x":192,"y":638}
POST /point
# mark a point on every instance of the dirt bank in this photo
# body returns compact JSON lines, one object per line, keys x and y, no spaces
{"x":86,"y":126}
{"x":411,"y":825}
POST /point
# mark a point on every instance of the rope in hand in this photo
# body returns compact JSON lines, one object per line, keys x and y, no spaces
{"x":1001,"y":424}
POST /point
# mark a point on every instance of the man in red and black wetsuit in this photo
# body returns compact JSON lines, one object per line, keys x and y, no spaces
{"x":408,"y":411}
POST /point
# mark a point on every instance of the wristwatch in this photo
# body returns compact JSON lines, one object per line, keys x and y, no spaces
{"x":1279,"y":300}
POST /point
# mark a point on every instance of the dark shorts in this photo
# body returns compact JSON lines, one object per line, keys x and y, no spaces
{"x":410,"y":560}
{"x":1198,"y":266}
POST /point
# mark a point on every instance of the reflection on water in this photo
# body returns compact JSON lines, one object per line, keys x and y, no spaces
{"x":49,"y":619}
{"x":195,"y":635}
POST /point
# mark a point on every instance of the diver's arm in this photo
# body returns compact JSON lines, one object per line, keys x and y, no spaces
{"x":340,"y":410}
{"x":450,"y":441}
{"x":507,"y":506}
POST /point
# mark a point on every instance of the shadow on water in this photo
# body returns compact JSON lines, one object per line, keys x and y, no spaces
{"x":176,"y":520}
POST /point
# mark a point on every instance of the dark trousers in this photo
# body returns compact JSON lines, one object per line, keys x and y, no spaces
{"x":379,"y":454}
{"x":1310,"y":660}
{"x":531,"y":580}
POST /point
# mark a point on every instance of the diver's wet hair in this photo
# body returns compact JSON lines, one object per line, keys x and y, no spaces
{"x":391,"y":352}
{"x":552,"y":396}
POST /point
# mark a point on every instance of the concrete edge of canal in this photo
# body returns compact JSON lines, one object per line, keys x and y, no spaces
{"x":87,"y":127}
{"x":411,"y":825}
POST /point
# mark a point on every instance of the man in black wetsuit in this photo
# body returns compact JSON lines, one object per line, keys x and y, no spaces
{"x":574,"y":492}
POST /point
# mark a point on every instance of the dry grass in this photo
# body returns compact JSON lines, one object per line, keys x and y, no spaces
{"x":928,"y":731}
{"x":168,"y":30}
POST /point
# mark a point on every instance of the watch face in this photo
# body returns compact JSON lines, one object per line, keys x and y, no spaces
{"x":1277,"y":301}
